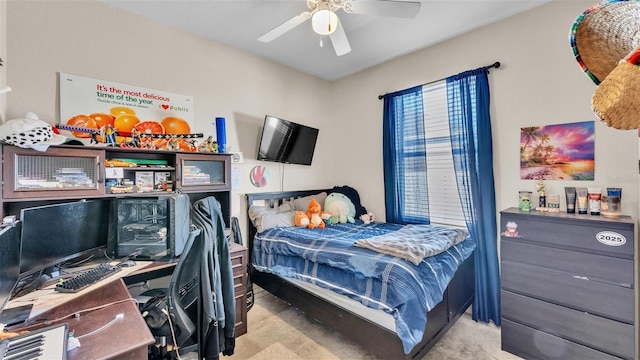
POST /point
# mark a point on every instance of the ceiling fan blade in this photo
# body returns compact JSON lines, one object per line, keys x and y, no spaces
{"x":284,"y":27}
{"x":339,"y":41}
{"x":401,"y":9}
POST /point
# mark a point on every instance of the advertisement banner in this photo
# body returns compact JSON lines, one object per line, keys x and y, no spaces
{"x":90,"y":106}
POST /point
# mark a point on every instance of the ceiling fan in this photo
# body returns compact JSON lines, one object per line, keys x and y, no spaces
{"x":325,"y":22}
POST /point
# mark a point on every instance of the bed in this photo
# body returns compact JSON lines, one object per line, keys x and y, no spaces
{"x":385,"y":327}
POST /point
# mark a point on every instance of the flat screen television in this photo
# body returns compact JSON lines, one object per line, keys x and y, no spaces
{"x":54,"y":234}
{"x":287,"y":142}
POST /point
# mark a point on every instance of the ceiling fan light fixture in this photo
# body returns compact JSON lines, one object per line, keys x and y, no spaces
{"x":324,"y":22}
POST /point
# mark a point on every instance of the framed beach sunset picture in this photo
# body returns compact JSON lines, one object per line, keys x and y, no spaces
{"x":558,"y":152}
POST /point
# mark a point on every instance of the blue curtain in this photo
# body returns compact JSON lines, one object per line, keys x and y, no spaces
{"x":404,"y":153}
{"x":470,"y":126}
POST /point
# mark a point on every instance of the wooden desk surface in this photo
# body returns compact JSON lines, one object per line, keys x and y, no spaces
{"x":125,"y":338}
{"x":47,"y":298}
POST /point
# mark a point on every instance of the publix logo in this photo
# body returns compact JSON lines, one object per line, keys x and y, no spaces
{"x":173,"y":108}
{"x":611,"y":238}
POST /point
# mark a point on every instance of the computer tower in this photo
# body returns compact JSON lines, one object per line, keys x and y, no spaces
{"x":179,"y":221}
{"x":152,"y":228}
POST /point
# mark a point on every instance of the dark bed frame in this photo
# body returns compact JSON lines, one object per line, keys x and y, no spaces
{"x":376,"y":339}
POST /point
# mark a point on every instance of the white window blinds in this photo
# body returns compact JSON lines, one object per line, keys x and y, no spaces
{"x":444,"y":201}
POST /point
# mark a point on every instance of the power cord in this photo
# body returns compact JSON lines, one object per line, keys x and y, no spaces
{"x":74,"y":314}
{"x":118,"y":317}
{"x":173,"y":334}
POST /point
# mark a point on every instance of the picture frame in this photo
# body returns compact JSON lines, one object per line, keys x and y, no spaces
{"x":144,"y":181}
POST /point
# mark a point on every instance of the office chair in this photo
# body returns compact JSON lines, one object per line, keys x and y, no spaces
{"x":182,"y":331}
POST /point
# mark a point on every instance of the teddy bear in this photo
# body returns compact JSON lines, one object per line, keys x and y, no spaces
{"x":367,"y":218}
{"x":314,"y":213}
{"x":301,"y":219}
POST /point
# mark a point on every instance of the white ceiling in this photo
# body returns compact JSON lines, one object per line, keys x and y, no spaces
{"x":373,"y":39}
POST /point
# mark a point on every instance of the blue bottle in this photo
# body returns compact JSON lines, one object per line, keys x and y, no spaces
{"x":221,"y":135}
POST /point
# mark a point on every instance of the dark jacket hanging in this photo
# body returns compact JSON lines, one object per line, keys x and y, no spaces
{"x":220,"y":310}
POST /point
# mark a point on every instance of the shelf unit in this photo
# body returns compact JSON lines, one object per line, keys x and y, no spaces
{"x":65,"y":173}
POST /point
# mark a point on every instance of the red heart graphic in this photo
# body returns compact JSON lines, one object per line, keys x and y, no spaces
{"x":165,"y":106}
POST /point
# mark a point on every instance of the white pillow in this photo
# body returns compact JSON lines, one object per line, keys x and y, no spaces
{"x":264,"y":218}
{"x":302,"y":204}
{"x":270,"y":221}
{"x":285,"y":207}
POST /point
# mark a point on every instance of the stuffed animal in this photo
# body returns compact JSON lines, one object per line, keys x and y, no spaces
{"x":314,"y":213}
{"x":340,"y":208}
{"x":326,"y":217}
{"x":301,"y":219}
{"x":367,"y":218}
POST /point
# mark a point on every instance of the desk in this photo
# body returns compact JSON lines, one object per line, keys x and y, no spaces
{"x":124,"y":339}
{"x":47,"y":298}
{"x":127,"y":338}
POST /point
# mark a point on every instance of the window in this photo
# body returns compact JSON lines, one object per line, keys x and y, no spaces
{"x":443,"y":203}
{"x":420,"y":179}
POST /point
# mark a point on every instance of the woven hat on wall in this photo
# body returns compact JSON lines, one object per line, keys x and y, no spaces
{"x":617,"y":100}
{"x":604,"y":34}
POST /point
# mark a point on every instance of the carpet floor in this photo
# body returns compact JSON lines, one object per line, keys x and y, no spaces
{"x":277,"y":331}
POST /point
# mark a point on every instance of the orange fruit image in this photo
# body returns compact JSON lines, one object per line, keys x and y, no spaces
{"x":121,"y":110}
{"x":182,"y":144}
{"x":102,"y":119}
{"x":149,"y":127}
{"x":176,"y":125}
{"x":124,"y":123}
{"x":82,"y":121}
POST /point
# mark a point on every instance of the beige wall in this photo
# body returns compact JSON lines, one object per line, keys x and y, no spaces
{"x":92,"y":39}
{"x":539,"y":83}
{"x":3,"y":55}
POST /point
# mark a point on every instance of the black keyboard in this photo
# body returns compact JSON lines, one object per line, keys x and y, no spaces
{"x":87,"y":278}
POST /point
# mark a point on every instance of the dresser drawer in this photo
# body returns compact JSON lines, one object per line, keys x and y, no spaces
{"x":614,"y":302}
{"x":241,"y":313}
{"x":573,"y":231}
{"x":237,"y":262}
{"x":530,"y":343}
{"x":240,"y":282}
{"x":612,"y":270}
{"x":602,"y":334}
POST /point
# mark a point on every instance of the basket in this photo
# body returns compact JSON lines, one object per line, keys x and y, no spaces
{"x":616,"y":101}
{"x":604,"y":34}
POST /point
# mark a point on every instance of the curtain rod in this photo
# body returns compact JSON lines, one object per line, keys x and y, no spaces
{"x":494,"y":65}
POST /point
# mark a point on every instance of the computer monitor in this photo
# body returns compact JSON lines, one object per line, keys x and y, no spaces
{"x":9,"y":260}
{"x":54,"y":234}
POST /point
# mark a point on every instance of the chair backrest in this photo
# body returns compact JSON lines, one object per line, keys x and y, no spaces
{"x":183,"y":294}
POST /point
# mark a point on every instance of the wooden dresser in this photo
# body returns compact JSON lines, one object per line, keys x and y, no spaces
{"x":238,"y":254}
{"x":567,"y":285}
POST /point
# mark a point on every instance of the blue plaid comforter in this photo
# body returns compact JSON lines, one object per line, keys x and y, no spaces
{"x":328,"y":258}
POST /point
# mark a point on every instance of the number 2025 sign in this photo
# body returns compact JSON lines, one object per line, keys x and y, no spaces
{"x":611,"y":238}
